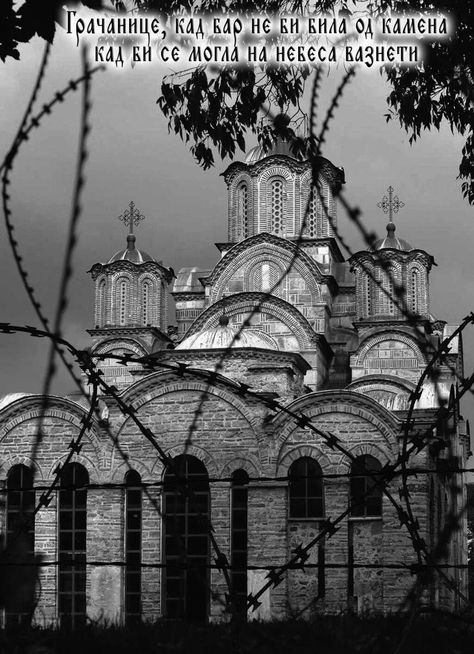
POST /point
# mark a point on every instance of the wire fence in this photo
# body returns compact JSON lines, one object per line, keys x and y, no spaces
{"x":431,"y":434}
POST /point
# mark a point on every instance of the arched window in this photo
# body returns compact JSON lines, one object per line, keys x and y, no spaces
{"x":305,"y":489}
{"x":415,"y":290}
{"x":366,"y":496}
{"x":239,"y":538}
{"x":312,"y":213}
{"x":123,"y":301}
{"x":276,"y":206}
{"x":186,"y":541}
{"x":133,"y":546}
{"x":146,"y":293}
{"x":20,"y":530}
{"x":101,"y":304}
{"x":369,"y":291}
{"x":386,"y":291}
{"x":242,"y":211}
{"x":72,"y":537}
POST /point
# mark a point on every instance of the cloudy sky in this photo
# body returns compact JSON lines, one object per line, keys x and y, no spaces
{"x":132,"y":157}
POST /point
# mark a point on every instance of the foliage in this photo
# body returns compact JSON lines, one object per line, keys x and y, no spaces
{"x":217,"y":108}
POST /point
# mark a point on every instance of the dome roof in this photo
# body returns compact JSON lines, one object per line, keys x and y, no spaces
{"x":223,"y":337}
{"x":9,"y":398}
{"x":391,"y":241}
{"x":279,"y":147}
{"x":131,"y":253}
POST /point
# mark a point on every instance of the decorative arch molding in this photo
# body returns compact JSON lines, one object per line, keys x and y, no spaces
{"x":244,"y":252}
{"x":19,"y":459}
{"x":400,"y":382}
{"x":287,"y":456}
{"x":249,"y":463}
{"x":194,"y":450}
{"x":243,"y":176}
{"x":31,"y":408}
{"x":349,"y":402}
{"x":127,"y":267}
{"x":112,"y":344}
{"x":95,"y":475}
{"x":276,"y":169}
{"x":258,"y":255}
{"x":246,"y":302}
{"x":119,"y":471}
{"x":388,"y":334}
{"x":159,"y":384}
{"x":360,"y":449}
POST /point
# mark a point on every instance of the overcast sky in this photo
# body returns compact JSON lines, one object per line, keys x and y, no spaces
{"x":132,"y":157}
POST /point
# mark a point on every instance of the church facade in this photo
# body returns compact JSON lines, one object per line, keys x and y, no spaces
{"x":284,"y":315}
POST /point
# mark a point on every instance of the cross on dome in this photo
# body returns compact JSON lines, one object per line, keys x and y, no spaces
{"x":131,"y":217}
{"x":390,"y":204}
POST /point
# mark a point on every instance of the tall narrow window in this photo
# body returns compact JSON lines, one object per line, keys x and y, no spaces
{"x":305,"y":489}
{"x":366,"y":496}
{"x":72,"y":508}
{"x":101,"y":304}
{"x":369,"y":287}
{"x":386,"y":292}
{"x":242,"y":211}
{"x":186,"y":541}
{"x":20,"y":531}
{"x":312,"y":213}
{"x":133,"y":546}
{"x":415,"y":290}
{"x":123,"y":301}
{"x":239,"y":537}
{"x":277,"y":205}
{"x":146,"y":288}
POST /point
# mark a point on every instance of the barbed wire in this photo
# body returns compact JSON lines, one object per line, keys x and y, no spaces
{"x":399,"y":467}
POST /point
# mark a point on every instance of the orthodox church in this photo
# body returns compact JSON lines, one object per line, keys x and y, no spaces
{"x":281,"y":313}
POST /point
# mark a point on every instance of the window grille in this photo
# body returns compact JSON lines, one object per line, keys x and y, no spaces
{"x":277,"y":206}
{"x":133,"y":546}
{"x":366,"y":497}
{"x":72,"y":537}
{"x":20,"y":530}
{"x":242,"y":211}
{"x":239,"y":538}
{"x":123,"y":301}
{"x":305,"y":489}
{"x":186,"y":541}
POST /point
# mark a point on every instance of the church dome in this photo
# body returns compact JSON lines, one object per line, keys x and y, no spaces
{"x":9,"y":398}
{"x":223,"y":337}
{"x":391,"y":241}
{"x":279,"y":147}
{"x":131,"y":253}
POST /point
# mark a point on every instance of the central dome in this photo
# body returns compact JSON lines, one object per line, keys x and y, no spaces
{"x":224,"y":337}
{"x":392,"y":241}
{"x":131,"y":253}
{"x":279,"y":147}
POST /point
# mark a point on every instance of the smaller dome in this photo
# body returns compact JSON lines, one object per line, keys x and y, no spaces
{"x":131,"y":253}
{"x":279,"y":147}
{"x":224,"y":337}
{"x":9,"y":398}
{"x":391,"y":241}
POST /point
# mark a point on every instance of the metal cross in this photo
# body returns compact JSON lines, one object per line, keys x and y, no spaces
{"x":390,"y":204}
{"x":131,"y":217}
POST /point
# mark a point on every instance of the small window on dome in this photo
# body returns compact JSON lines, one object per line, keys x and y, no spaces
{"x":123,"y":301}
{"x":277,"y":206}
{"x":242,"y":211}
{"x":146,"y":293}
{"x":100,"y":318}
{"x":415,"y":290}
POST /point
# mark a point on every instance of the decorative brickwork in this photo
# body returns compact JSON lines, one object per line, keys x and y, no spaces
{"x":319,"y":380}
